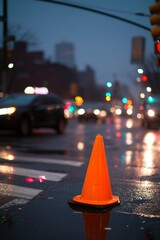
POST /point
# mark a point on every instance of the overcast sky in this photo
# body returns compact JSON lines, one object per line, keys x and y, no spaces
{"x":102,"y":42}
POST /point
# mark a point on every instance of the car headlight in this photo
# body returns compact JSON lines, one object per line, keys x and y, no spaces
{"x":151,"y":113}
{"x":7,"y":111}
{"x":96,"y":111}
{"x":129,"y":111}
{"x":81,"y":111}
{"x":103,"y":113}
{"x":118,"y":111}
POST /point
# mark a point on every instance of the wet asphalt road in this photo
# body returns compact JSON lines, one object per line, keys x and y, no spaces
{"x":39,"y":174}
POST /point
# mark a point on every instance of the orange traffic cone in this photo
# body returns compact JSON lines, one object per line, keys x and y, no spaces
{"x":96,"y":190}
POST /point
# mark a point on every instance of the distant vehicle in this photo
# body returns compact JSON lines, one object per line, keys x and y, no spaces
{"x":24,"y":112}
{"x":151,"y":116}
{"x":92,"y":112}
{"x":118,"y":109}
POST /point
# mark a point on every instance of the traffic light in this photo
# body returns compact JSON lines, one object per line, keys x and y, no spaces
{"x":9,"y":54}
{"x":144,"y":78}
{"x":78,"y":100}
{"x":157,"y":51}
{"x":10,"y":58}
{"x":157,"y":47}
{"x":108,"y":96}
{"x":151,"y":99}
{"x":155,"y":19}
{"x":124,"y":100}
{"x":109,"y":84}
{"x":108,"y":99}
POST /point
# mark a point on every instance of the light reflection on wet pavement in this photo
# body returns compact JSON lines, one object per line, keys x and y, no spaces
{"x":134,"y":163}
{"x":134,"y":167}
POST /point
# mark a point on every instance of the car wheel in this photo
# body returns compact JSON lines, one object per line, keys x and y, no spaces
{"x":25,"y":127}
{"x":147,"y":125}
{"x":61,"y":126}
{"x":80,"y":119}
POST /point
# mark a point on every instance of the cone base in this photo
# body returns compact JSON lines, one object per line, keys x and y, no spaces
{"x":78,"y":200}
{"x":89,"y":208}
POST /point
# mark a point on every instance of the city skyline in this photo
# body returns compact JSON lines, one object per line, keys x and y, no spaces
{"x":33,"y":70}
{"x":101,"y":42}
{"x":65,"y":54}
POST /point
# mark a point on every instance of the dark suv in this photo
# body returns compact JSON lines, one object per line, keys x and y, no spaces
{"x":151,"y":115}
{"x":23,"y":112}
{"x":92,"y":111}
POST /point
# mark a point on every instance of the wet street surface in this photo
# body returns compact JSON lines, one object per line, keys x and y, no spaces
{"x":41,"y":173}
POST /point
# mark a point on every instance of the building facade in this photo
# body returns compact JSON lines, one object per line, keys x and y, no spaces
{"x":65,"y":54}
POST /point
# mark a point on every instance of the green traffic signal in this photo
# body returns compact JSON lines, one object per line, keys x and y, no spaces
{"x":124,"y":100}
{"x":108,"y":94}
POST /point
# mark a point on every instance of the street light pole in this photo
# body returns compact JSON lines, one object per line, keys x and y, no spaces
{"x":5,"y":35}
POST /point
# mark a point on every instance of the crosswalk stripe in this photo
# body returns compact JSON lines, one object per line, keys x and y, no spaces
{"x":18,"y":191}
{"x":46,"y":160}
{"x":50,"y":176}
{"x":16,"y":201}
{"x":50,"y":161}
{"x":22,"y":194}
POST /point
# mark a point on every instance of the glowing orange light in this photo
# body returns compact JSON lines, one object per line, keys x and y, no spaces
{"x":129,"y":102}
{"x":79,"y":100}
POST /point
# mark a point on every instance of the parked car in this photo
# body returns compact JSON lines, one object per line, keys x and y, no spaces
{"x":23,"y":112}
{"x":92,"y":112}
{"x":151,"y":116}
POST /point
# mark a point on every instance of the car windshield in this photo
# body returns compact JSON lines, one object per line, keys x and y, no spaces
{"x":18,"y":99}
{"x":92,"y":105}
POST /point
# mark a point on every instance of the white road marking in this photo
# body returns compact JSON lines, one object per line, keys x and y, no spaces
{"x":18,"y":192}
{"x":50,"y":176}
{"x":16,"y":201}
{"x":22,"y":194}
{"x":48,"y":160}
